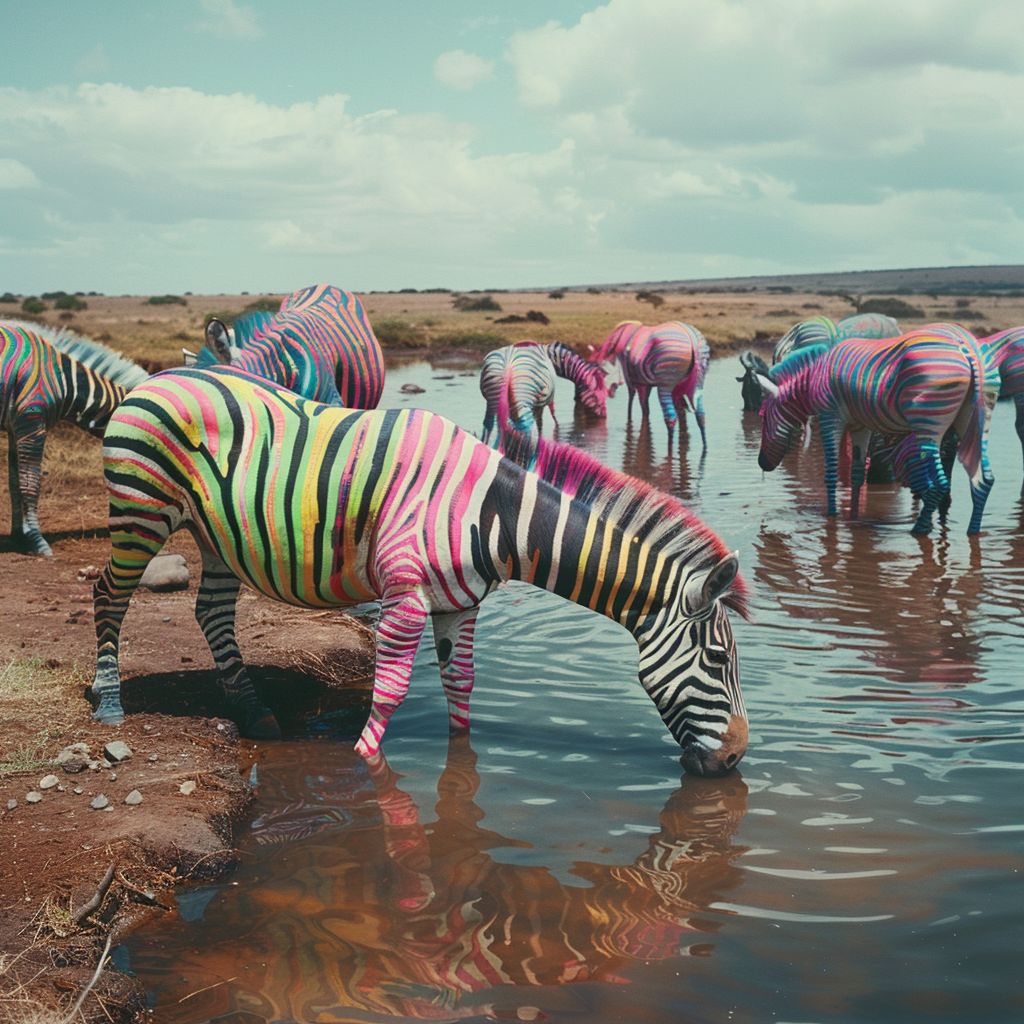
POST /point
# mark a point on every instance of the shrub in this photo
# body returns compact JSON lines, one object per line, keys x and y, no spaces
{"x":53,"y":295}
{"x":166,"y":300}
{"x":33,"y":305}
{"x":267,"y":304}
{"x":890,"y":307}
{"x":652,"y":297}
{"x":471,"y":339}
{"x":469,"y":305}
{"x":556,"y":295}
{"x":8,"y":297}
{"x":593,"y":291}
{"x":70,"y":302}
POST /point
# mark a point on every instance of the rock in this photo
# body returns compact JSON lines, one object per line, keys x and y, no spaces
{"x":154,"y":757}
{"x":116,"y":750}
{"x":134,"y":797}
{"x":33,"y":797}
{"x":77,"y":790}
{"x":411,"y":389}
{"x":166,"y":572}
{"x":88,"y":572}
{"x":98,"y":802}
{"x":48,"y":782}
{"x":75,"y":765}
{"x":187,"y":787}
{"x":113,"y":776}
{"x":104,"y":763}
{"x":11,"y":804}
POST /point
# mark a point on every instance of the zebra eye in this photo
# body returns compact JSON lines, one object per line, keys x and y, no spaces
{"x":716,"y":652}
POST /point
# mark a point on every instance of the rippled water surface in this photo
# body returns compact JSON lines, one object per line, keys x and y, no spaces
{"x":864,"y":864}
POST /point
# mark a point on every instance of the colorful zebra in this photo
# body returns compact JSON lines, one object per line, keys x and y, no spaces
{"x":912,"y":390}
{"x":517,"y":381}
{"x":320,"y":345}
{"x":320,"y":506}
{"x":671,"y":357}
{"x":48,"y":375}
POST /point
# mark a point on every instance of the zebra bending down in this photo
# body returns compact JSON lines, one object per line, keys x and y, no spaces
{"x":912,"y":390}
{"x":320,"y":506}
{"x":1004,"y":373}
{"x":671,"y":357}
{"x":517,"y":381}
{"x":48,"y":375}
{"x":320,"y":345}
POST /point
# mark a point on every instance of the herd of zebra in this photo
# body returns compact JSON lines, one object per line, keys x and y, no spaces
{"x":268,"y":448}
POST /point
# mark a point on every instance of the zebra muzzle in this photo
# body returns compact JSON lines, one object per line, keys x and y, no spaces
{"x":699,"y":759}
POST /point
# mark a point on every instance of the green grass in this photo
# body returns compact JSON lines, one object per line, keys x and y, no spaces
{"x":28,"y":757}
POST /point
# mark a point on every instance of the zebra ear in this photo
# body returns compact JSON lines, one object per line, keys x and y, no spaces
{"x":705,"y":588}
{"x":769,"y":385}
{"x":218,"y":340}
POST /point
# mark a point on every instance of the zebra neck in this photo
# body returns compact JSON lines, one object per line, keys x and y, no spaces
{"x":567,"y":364}
{"x":89,"y":398}
{"x":578,"y":552}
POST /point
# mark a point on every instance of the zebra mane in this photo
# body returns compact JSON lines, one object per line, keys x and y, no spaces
{"x":569,"y":363}
{"x":609,"y":347}
{"x":251,"y":326}
{"x":639,"y":509}
{"x":796,"y":363}
{"x":92,"y":354}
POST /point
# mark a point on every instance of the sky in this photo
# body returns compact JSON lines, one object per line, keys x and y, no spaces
{"x":221,"y":146}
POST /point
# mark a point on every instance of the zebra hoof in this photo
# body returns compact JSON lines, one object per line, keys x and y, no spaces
{"x":109,"y":712}
{"x":260,"y":724}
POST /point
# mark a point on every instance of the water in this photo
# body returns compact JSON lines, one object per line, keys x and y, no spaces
{"x":864,"y":864}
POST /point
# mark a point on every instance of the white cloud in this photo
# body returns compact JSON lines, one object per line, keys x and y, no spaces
{"x":464,"y":71}
{"x":225,"y":19}
{"x":14,"y":174}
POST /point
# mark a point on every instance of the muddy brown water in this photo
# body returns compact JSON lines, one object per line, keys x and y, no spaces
{"x":864,"y":864}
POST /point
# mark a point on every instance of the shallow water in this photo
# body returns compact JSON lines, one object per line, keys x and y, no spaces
{"x":864,"y":864}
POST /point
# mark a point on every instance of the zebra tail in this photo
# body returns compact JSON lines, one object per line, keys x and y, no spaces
{"x":971,"y":442}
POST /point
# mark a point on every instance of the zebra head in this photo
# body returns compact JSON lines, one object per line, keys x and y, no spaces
{"x":220,"y":342}
{"x":781,"y":420}
{"x":593,"y":392}
{"x":690,"y":669}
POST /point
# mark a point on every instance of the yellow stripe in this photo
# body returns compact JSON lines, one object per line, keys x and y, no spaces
{"x":588,"y":543}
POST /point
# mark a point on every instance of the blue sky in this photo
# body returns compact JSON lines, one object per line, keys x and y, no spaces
{"x":214,"y":145}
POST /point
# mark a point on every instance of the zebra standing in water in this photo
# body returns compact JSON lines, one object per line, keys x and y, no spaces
{"x":48,"y":375}
{"x":320,"y":345}
{"x":320,"y":506}
{"x":1004,"y":373}
{"x":671,"y":357}
{"x":911,"y":390}
{"x":517,"y":381}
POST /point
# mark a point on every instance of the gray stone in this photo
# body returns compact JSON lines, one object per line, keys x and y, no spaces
{"x":48,"y":781}
{"x":75,"y":765}
{"x":98,"y":802}
{"x":166,"y":572}
{"x":154,"y":757}
{"x":187,"y":787}
{"x":116,"y":750}
{"x":77,"y":790}
{"x":33,"y":797}
{"x":11,"y":804}
{"x":134,"y":797}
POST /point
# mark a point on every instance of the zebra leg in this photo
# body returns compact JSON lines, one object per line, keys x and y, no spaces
{"x":935,"y":486}
{"x":551,"y":409}
{"x":15,"y":488}
{"x":698,"y":412}
{"x":631,"y":391}
{"x":860,"y":439}
{"x":1019,"y":424}
{"x":947,"y":452}
{"x":453,"y":639}
{"x":26,"y":444}
{"x":831,"y":436}
{"x":215,"y":613}
{"x":133,"y":543}
{"x":489,"y":417}
{"x":668,"y":410}
{"x":402,"y":621}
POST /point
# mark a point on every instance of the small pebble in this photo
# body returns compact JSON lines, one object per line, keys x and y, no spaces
{"x":48,"y":782}
{"x":167,"y":618}
{"x":11,"y":804}
{"x":116,"y":750}
{"x":113,"y":776}
{"x":153,"y":757}
{"x":134,"y":797}
{"x":78,"y":790}
{"x":187,"y":787}
{"x":104,"y":763}
{"x":98,"y":802}
{"x":33,"y":797}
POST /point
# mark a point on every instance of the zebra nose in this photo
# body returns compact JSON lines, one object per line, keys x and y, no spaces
{"x":698,"y":759}
{"x":764,"y":462}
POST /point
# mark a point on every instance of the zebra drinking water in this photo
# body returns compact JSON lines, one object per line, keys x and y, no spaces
{"x":320,"y":506}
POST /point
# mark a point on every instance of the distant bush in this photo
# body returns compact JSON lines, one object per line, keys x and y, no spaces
{"x":556,"y":295}
{"x":782,"y":312}
{"x":8,"y":297}
{"x":53,"y":295}
{"x":593,"y":291}
{"x":470,"y":305}
{"x":266,"y":304}
{"x":70,"y":302}
{"x":394,"y":333}
{"x":33,"y":305}
{"x":652,"y":297}
{"x":166,"y":300}
{"x":890,"y":307}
